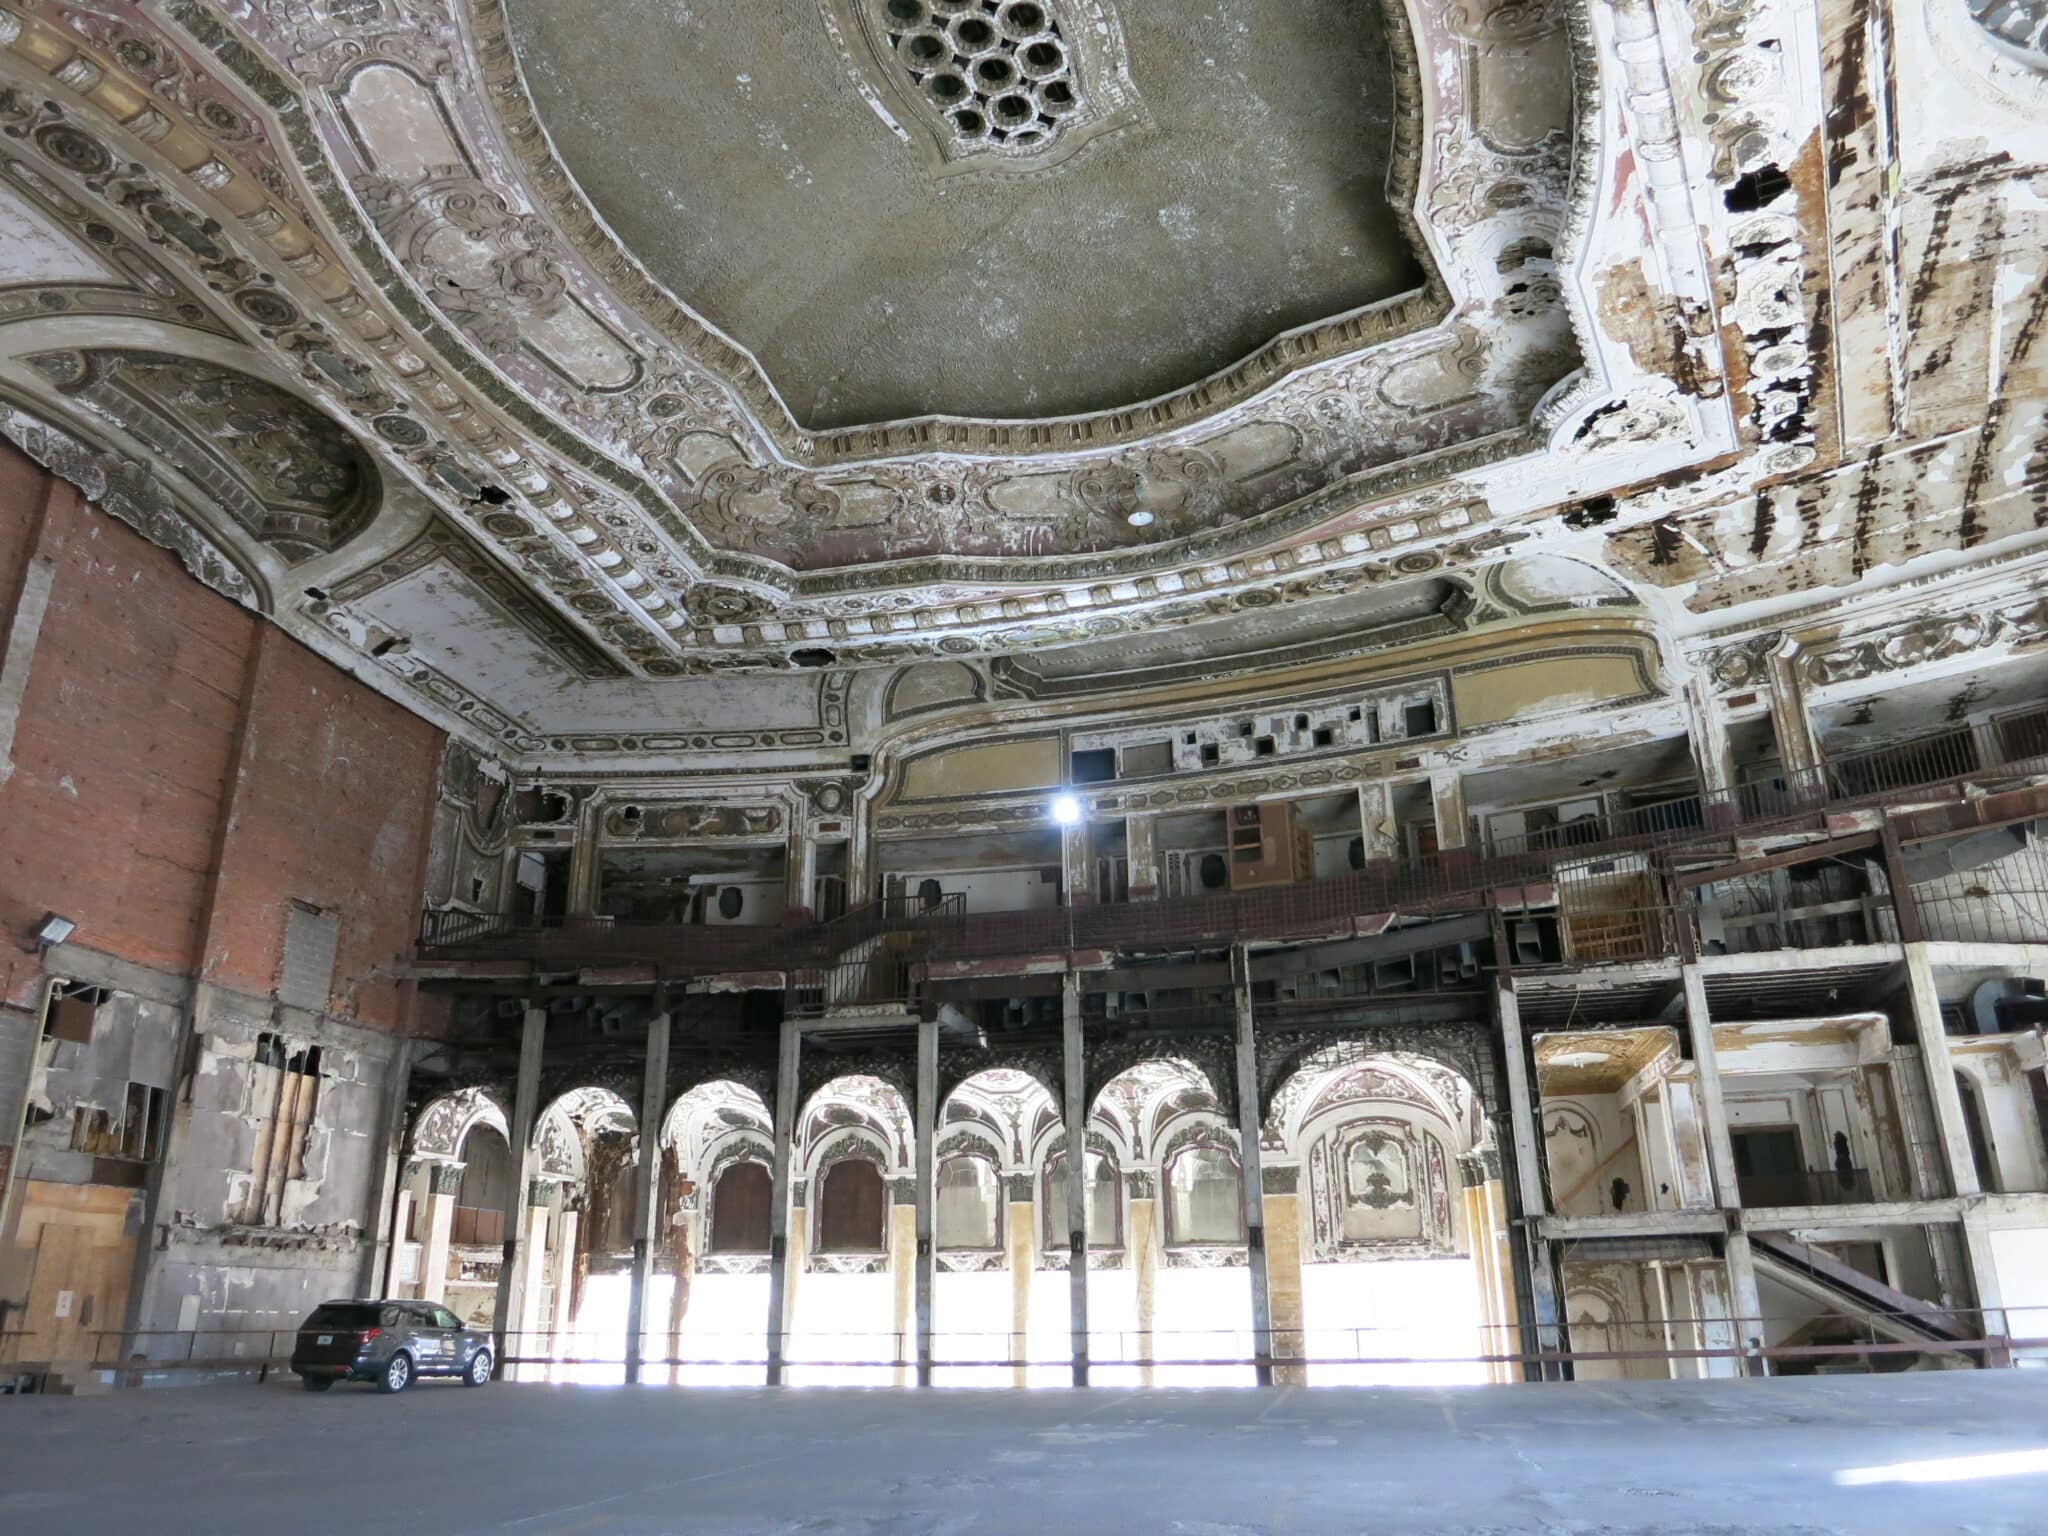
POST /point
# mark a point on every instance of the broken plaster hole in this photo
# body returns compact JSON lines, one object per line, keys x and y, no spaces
{"x":493,"y":495}
{"x":813,"y":656}
{"x":391,"y":644}
{"x":1755,"y":189}
{"x":1591,"y":512}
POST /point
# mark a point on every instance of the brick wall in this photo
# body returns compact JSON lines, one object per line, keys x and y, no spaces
{"x":124,"y":797}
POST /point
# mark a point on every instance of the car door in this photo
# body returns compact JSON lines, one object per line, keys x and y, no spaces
{"x":448,"y":1328}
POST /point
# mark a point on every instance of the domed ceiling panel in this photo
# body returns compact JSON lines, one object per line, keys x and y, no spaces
{"x":757,"y":172}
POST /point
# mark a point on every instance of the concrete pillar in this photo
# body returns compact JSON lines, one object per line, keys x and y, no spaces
{"x":1020,"y":1237}
{"x":1708,"y":734}
{"x":1506,"y":1315}
{"x":439,"y":1222}
{"x":532,"y":1288}
{"x":1141,"y":849}
{"x":1143,"y":1239}
{"x":1447,"y":795}
{"x":903,"y":1266}
{"x":1376,"y":821}
{"x":1960,"y":1161}
{"x":1691,"y":1171}
{"x":1283,"y":1273}
{"x":779,"y":1270}
{"x":387,"y":1220}
{"x":647,"y":1188}
{"x":927,"y":1253}
{"x":800,"y":867}
{"x":1743,"y":1301}
{"x":525,"y":1105}
{"x":401,"y":1215}
{"x":1077,"y":860}
{"x":564,"y":1257}
{"x":1075,"y":1071}
{"x":1799,"y":751}
{"x":1544,"y":1292}
{"x":1251,"y":1183}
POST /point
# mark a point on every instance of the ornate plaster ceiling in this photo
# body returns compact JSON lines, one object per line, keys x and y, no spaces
{"x":572,"y":439}
{"x":1240,"y":194}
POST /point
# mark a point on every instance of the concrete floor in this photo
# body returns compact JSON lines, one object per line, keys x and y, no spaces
{"x":1591,"y":1461}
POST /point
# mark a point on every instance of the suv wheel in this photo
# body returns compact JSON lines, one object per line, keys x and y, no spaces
{"x":479,"y":1372}
{"x":397,"y":1374}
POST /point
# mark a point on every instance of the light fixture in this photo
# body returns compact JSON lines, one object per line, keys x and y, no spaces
{"x":1139,"y":519}
{"x":1066,"y":809}
{"x":55,"y":929}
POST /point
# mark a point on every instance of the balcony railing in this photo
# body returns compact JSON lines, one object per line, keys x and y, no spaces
{"x":1600,"y":882}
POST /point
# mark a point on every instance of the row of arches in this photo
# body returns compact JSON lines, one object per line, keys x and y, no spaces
{"x":1374,"y":1161}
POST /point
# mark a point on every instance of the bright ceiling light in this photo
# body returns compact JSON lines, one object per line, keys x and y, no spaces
{"x":55,"y":929}
{"x":1066,"y":810}
{"x":1140,"y":519}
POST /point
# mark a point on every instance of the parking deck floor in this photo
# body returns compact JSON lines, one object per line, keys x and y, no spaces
{"x":1963,"y":1451}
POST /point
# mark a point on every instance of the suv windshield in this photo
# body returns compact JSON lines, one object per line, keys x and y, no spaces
{"x":337,"y":1314}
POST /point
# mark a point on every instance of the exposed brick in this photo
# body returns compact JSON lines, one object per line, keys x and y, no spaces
{"x":123,"y":756}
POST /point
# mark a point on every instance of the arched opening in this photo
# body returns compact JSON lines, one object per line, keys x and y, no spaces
{"x":853,"y":1244}
{"x":586,"y":1149}
{"x":486,"y":1187}
{"x":710,"y":1285}
{"x":1385,"y":1224}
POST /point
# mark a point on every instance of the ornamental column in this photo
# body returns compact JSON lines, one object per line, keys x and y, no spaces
{"x":903,"y":1266}
{"x":1744,"y":1304}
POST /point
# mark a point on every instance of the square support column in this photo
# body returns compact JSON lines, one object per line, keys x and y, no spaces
{"x":563,"y":1322}
{"x":1020,"y":1238}
{"x":1282,"y":1187}
{"x":525,"y":1105}
{"x":387,"y":1214}
{"x":902,"y":1235}
{"x":647,"y":1189}
{"x":439,"y":1223}
{"x":779,"y":1204}
{"x":1075,"y":1071}
{"x":1141,"y":852}
{"x":1376,"y":826}
{"x":1251,"y":1183}
{"x":1744,"y":1302}
{"x":1957,"y":1156}
{"x":1545,"y":1300}
{"x":927,"y":1255}
{"x":1142,"y":1214}
{"x":401,"y":1215}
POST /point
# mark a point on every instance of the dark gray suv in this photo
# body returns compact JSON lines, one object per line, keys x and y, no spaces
{"x":390,"y":1343}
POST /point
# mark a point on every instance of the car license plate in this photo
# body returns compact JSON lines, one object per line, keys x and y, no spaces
{"x":325,"y":1338}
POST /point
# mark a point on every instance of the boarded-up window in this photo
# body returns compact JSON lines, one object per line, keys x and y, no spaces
{"x":740,"y":1205}
{"x":310,"y":937}
{"x":853,"y":1207}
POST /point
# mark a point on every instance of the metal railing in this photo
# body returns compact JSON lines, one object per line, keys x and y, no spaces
{"x":1560,"y":869}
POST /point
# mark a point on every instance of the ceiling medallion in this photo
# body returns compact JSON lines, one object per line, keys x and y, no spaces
{"x":996,"y":85}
